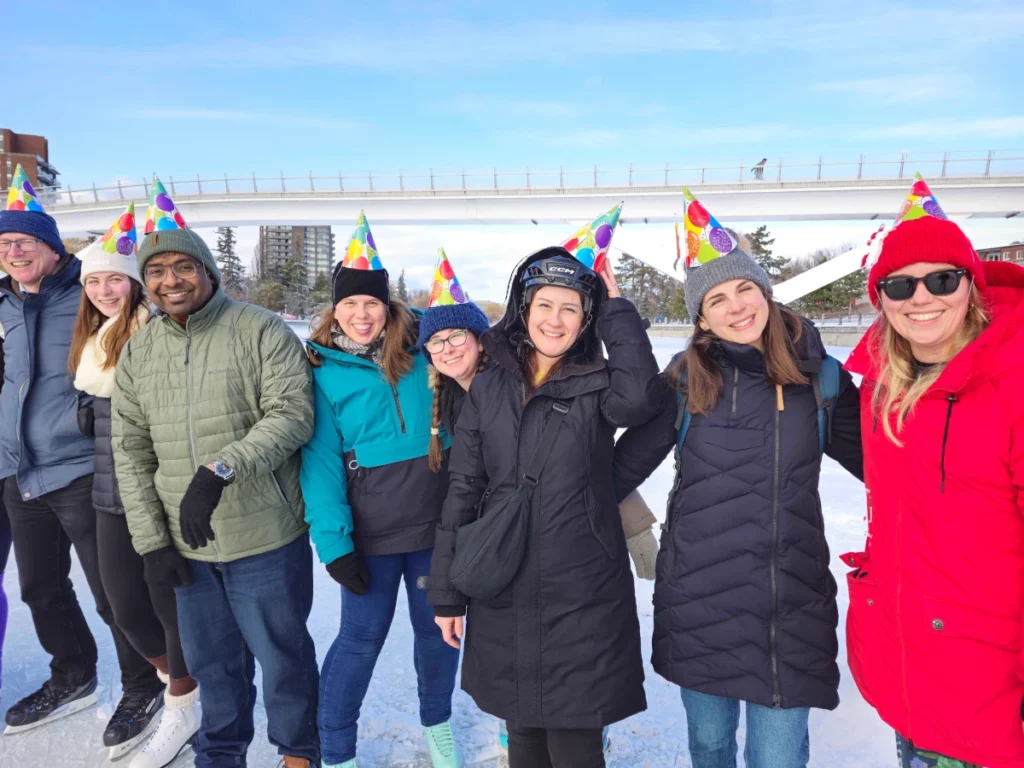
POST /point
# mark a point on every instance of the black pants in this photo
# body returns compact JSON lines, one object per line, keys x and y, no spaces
{"x":147,"y":614}
{"x":44,"y":531}
{"x":555,"y":748}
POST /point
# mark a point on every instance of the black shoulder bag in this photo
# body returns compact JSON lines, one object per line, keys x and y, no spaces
{"x":490,"y":550}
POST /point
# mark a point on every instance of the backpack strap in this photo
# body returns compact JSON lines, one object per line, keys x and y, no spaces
{"x":826,"y":391}
{"x":683,"y":415}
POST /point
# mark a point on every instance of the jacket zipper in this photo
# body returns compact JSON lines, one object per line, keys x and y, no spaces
{"x":192,"y":452}
{"x":776,"y":693}
{"x":735,"y":386}
{"x":398,"y":407}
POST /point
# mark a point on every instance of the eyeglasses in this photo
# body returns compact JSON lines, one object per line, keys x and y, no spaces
{"x":456,"y":339}
{"x":940,"y":283}
{"x":28,"y":245}
{"x":183,"y":269}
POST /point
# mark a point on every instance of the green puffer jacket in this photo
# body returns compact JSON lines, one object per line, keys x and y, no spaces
{"x":234,"y":386}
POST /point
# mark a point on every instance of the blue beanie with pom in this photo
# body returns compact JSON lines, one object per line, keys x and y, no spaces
{"x":466,"y":317}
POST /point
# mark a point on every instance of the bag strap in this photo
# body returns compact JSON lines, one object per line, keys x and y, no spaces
{"x":826,"y":391}
{"x":683,"y":415}
{"x":560,"y":409}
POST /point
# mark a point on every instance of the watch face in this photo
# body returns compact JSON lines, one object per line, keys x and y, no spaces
{"x":223,"y":471}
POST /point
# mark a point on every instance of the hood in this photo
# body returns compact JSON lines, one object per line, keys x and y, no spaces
{"x":505,"y":340}
{"x":998,"y":348}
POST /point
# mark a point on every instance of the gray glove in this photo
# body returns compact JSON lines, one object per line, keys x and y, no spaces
{"x":643,"y":548}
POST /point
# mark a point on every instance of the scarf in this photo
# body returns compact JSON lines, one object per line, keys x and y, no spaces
{"x":373,"y":351}
{"x":91,"y":377}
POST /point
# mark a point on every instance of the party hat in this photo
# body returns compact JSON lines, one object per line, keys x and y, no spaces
{"x":446,"y":290}
{"x":362,"y":250}
{"x":920,"y":203}
{"x":121,"y":237}
{"x":21,"y":196}
{"x":590,"y":244}
{"x":706,"y":239}
{"x":162,"y":212}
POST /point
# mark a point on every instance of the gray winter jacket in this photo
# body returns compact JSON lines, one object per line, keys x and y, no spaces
{"x":40,"y":442}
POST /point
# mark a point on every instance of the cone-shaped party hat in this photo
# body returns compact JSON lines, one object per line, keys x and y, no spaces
{"x":591,"y":242}
{"x":706,"y":239}
{"x":162,"y":213}
{"x":362,"y":250}
{"x":446,"y":291}
{"x":22,"y":197}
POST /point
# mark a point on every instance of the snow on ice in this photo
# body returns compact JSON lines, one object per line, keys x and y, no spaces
{"x":389,"y":729}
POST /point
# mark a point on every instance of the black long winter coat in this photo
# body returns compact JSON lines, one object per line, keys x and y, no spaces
{"x":105,"y":495}
{"x":744,"y":602}
{"x":560,"y":646}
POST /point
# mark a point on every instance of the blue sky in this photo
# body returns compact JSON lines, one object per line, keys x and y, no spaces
{"x":208,"y":87}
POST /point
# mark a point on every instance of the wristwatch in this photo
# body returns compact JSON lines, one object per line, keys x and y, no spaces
{"x":224,"y":472}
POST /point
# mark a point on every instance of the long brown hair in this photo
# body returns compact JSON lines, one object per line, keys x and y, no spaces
{"x":401,"y":334}
{"x":703,"y":376}
{"x":89,"y":321}
{"x":898,"y":390}
{"x":438,"y":382}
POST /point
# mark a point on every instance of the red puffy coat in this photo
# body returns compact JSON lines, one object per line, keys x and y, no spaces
{"x":934,"y":630}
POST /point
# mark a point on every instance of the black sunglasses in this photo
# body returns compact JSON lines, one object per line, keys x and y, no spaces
{"x":941,"y":283}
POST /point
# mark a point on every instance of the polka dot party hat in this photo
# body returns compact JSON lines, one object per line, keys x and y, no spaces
{"x":591,"y":243}
{"x":920,"y":204}
{"x":446,"y":290}
{"x":121,"y":237}
{"x":162,"y":213}
{"x":362,"y":250}
{"x":706,"y":239}
{"x":22,"y":197}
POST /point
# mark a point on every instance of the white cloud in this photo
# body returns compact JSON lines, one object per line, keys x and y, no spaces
{"x":974,"y":128}
{"x":898,"y":88}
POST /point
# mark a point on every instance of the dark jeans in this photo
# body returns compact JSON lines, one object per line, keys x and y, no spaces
{"x":44,"y":530}
{"x":555,"y":748}
{"x":236,"y":613}
{"x":365,"y":621}
{"x":146,"y":613}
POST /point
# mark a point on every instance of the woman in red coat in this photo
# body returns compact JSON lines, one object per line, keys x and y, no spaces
{"x":937,"y":595}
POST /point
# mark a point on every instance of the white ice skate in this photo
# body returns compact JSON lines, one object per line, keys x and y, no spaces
{"x":178,"y":726}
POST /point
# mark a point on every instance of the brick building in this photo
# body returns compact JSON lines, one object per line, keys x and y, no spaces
{"x":32,"y":152}
{"x":1012,"y":252}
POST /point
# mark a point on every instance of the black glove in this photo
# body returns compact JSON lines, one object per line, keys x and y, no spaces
{"x":201,"y":498}
{"x":86,"y":421}
{"x":166,"y":567}
{"x":349,"y":571}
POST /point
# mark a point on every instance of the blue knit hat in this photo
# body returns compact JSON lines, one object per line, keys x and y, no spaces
{"x":24,"y":214}
{"x":449,"y":307}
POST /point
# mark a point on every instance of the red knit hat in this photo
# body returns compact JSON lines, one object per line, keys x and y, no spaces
{"x":921,"y":233}
{"x":932,"y":240}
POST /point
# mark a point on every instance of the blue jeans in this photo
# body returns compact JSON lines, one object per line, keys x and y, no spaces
{"x":365,"y":621}
{"x":253,"y":609}
{"x":776,"y":738}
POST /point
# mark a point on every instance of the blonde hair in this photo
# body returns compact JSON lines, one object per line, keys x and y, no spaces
{"x":438,"y":381}
{"x":401,"y":334}
{"x":898,"y":389}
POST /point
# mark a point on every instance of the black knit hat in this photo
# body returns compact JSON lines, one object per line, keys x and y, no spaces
{"x":360,"y":282}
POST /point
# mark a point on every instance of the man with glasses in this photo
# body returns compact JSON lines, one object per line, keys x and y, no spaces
{"x":46,"y":464}
{"x":213,"y":402}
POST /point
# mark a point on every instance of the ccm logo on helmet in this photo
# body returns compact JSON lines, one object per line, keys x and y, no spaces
{"x":560,"y":269}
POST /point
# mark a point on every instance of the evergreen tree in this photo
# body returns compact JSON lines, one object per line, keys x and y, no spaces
{"x":295,"y":286}
{"x":320,"y":295}
{"x":760,"y":240}
{"x":232,"y":273}
{"x":834,"y":297}
{"x":270,"y":295}
{"x":400,"y":290}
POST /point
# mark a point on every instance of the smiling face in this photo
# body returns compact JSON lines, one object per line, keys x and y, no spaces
{"x":555,"y":320}
{"x":361,"y":318}
{"x":27,"y":268}
{"x":929,"y":323}
{"x":458,"y":362}
{"x":173,"y":294}
{"x":108,"y":291}
{"x":735,"y":311}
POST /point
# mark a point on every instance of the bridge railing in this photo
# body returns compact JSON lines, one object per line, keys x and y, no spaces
{"x":447,"y":182}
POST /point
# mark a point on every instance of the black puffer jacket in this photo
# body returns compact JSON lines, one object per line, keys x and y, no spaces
{"x":105,"y":496}
{"x":744,"y":602}
{"x":560,"y":646}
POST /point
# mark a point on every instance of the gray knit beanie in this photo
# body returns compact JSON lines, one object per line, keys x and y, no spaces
{"x":735,"y":265}
{"x":178,"y":241}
